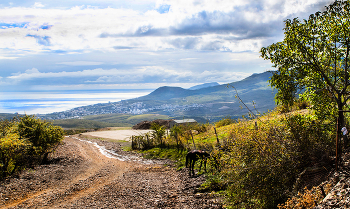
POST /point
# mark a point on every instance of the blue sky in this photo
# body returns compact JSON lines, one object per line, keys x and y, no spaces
{"x":109,"y":45}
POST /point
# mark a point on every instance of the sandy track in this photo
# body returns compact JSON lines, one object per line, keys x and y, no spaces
{"x":79,"y":176}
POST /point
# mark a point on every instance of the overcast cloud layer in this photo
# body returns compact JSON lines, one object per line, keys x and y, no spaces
{"x":141,"y":44}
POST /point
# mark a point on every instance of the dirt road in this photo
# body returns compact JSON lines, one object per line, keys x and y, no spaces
{"x":80,"y":176}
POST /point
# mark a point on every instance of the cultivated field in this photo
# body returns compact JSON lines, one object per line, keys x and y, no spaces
{"x":124,"y":135}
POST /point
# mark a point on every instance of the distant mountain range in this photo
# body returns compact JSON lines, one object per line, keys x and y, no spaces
{"x":208,"y":102}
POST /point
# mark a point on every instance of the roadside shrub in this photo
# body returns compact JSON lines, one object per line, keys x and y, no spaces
{"x":12,"y":151}
{"x":200,"y":128}
{"x":42,"y":135}
{"x":26,"y":141}
{"x":213,"y":183}
{"x":260,"y":163}
{"x":216,"y":162}
{"x":224,"y":122}
{"x":6,"y":126}
{"x":311,"y":138}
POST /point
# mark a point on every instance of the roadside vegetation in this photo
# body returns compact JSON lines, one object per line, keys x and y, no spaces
{"x":25,"y":142}
{"x":254,"y":163}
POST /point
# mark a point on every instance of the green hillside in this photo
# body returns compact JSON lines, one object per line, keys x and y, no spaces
{"x":106,"y":120}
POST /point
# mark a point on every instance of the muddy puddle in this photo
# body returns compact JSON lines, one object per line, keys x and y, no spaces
{"x":112,"y":154}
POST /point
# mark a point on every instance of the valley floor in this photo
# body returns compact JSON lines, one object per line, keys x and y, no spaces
{"x":117,"y":134}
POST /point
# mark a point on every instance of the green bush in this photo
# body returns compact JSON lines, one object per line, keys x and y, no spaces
{"x":42,"y":135}
{"x":259,"y":164}
{"x":12,"y":151}
{"x":25,"y":141}
{"x":224,"y":122}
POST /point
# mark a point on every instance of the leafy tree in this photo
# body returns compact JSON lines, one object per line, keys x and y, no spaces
{"x":158,"y":132}
{"x":314,"y":57}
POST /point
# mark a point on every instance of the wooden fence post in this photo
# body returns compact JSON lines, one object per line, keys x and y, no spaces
{"x":217,"y":138}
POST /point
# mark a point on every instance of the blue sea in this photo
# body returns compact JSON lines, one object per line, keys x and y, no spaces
{"x":43,"y":102}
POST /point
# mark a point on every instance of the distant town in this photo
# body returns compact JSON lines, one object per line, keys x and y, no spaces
{"x":117,"y":107}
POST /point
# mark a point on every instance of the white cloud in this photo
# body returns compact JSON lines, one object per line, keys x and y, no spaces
{"x":38,"y":5}
{"x":245,"y":57}
{"x":7,"y":58}
{"x":35,"y":73}
{"x":80,"y":63}
{"x":142,"y":75}
{"x":80,"y":27}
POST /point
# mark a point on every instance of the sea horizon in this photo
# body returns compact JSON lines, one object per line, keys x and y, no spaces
{"x":45,"y":102}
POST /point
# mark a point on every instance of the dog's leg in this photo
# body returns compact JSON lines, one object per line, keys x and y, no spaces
{"x":193,"y":163}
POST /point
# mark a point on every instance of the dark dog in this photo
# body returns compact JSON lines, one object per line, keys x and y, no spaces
{"x":195,"y":155}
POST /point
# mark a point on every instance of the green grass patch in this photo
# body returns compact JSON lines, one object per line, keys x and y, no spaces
{"x":179,"y":156}
{"x":106,"y":120}
{"x":85,"y":124}
{"x":119,"y":128}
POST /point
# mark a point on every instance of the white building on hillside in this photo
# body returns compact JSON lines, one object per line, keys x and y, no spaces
{"x":185,"y":121}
